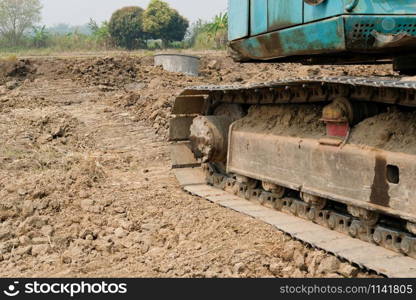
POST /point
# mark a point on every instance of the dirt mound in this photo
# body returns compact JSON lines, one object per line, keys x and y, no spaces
{"x":45,"y":161}
{"x":288,"y":120}
{"x":153,"y":100}
{"x":220,"y":69}
{"x":109,"y":72}
{"x":150,"y":91}
{"x":39,"y":140}
{"x":15,"y":69}
{"x":14,"y":100}
{"x":393,"y":131}
{"x":53,"y":128}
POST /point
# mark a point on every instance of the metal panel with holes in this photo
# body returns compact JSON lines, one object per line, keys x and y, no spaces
{"x":330,"y":8}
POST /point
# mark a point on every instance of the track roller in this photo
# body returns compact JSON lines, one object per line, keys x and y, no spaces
{"x":411,"y":227}
{"x":278,"y":190}
{"x":315,"y":201}
{"x":369,"y":218}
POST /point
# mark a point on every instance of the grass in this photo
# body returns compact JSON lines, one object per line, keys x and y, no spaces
{"x":6,"y":54}
{"x":203,"y":43}
{"x":54,"y":43}
{"x":54,"y":53}
{"x":19,"y":52}
{"x":10,"y":58}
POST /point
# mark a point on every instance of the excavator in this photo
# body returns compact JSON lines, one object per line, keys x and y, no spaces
{"x":330,"y":161}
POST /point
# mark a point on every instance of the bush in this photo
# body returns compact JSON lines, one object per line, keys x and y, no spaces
{"x":40,"y":37}
{"x":126,"y":27}
{"x":16,"y":17}
{"x":177,"y":45}
{"x":209,"y":35}
{"x":176,"y":29}
{"x":72,"y":41}
{"x":154,"y":44}
{"x":163,"y":22}
{"x":101,"y":34}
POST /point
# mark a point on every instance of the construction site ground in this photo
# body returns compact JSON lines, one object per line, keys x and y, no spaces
{"x":86,"y":187}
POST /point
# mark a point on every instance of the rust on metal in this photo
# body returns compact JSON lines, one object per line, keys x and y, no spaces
{"x":209,"y":137}
{"x":179,"y":129}
{"x":373,"y":185}
{"x":188,"y":105}
{"x":380,"y":187}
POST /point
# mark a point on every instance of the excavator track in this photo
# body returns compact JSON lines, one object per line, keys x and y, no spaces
{"x":382,"y":247}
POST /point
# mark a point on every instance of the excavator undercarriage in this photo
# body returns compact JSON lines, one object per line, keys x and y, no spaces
{"x":314,"y":153}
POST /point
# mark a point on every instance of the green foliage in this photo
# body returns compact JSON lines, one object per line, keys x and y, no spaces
{"x":72,"y":41}
{"x":56,"y":43}
{"x":163,"y":22}
{"x":126,"y":27}
{"x":158,"y":27}
{"x":177,"y":45}
{"x":203,"y":42}
{"x":63,"y":28}
{"x":209,"y":35}
{"x":17,"y":16}
{"x":217,"y":31}
{"x":156,"y":17}
{"x":219,"y":24}
{"x":196,"y":29}
{"x":176,"y":29}
{"x":101,"y":33}
{"x":154,"y":44}
{"x":40,"y":37}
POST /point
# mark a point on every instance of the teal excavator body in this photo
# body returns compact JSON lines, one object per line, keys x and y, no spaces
{"x":321,"y":31}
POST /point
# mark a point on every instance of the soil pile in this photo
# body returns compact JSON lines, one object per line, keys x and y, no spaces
{"x":149,"y":91}
{"x":109,"y":72}
{"x":394,"y":131}
{"x":15,"y":69}
{"x":157,"y":89}
{"x":288,"y":120}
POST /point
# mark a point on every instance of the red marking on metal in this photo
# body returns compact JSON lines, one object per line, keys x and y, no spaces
{"x":337,"y":129}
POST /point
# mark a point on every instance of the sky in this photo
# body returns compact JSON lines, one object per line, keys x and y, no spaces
{"x":78,"y":12}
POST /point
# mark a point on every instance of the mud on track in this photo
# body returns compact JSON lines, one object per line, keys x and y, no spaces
{"x":86,"y":188}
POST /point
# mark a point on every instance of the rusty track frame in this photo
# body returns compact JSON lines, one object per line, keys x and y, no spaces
{"x":363,"y":249}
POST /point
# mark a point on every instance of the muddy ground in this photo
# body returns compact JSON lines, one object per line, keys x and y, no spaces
{"x":85,"y":183}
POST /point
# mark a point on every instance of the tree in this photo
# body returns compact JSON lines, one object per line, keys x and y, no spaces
{"x":17,"y":16}
{"x":195,"y":30}
{"x":176,"y":28}
{"x":40,"y":37}
{"x":100,"y":33}
{"x":220,"y":23}
{"x":209,"y":35}
{"x":126,"y":27}
{"x":217,"y":30}
{"x":156,"y":16}
{"x":163,"y":22}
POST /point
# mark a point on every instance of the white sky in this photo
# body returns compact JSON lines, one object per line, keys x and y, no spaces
{"x":78,"y":12}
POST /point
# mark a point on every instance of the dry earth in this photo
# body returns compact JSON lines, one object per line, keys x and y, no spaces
{"x":85,"y":183}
